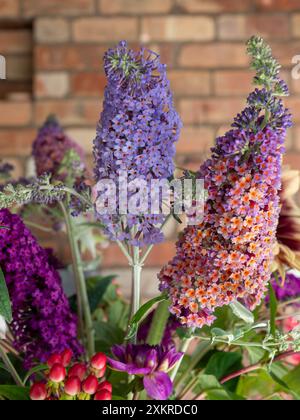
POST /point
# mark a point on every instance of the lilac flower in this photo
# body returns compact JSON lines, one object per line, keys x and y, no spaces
{"x":289,"y":289}
{"x":136,"y":135}
{"x":150,"y":362}
{"x":51,"y":146}
{"x":42,"y":321}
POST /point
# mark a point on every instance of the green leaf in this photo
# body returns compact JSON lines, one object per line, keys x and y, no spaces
{"x":141,"y":314}
{"x":36,"y":369}
{"x":242,"y":312}
{"x":209,"y":385}
{"x":14,"y":393}
{"x":223,"y":363}
{"x":97,"y":287}
{"x":292,"y":379}
{"x":273,"y":309}
{"x":256,"y":354}
{"x":5,"y":305}
{"x":107,"y":335}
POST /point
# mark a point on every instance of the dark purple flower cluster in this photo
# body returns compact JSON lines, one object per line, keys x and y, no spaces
{"x":136,"y":136}
{"x":42,"y":321}
{"x":289,"y":290}
{"x":50,"y":148}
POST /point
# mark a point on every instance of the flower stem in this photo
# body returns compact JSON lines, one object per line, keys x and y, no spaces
{"x":10,"y":367}
{"x":82,"y":296}
{"x":255,"y":367}
{"x":184,"y":347}
{"x":136,"y":282}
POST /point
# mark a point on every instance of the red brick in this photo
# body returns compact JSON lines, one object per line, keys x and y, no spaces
{"x":52,"y":30}
{"x":15,"y":113}
{"x":105,"y":29}
{"x":292,"y":160}
{"x":178,"y":28}
{"x":18,"y":165}
{"x":214,"y":6}
{"x":134,"y":7}
{"x":232,"y":82}
{"x":278,"y":5}
{"x":293,"y":103}
{"x":51,"y":85}
{"x":84,"y":137}
{"x":195,"y":140}
{"x":113,"y":257}
{"x":15,"y":41}
{"x":238,"y":27}
{"x":18,"y":68}
{"x":15,"y":141}
{"x":190,"y":83}
{"x":297,"y":139}
{"x":57,"y":7}
{"x":284,"y":52}
{"x":70,"y":111}
{"x":9,"y":8}
{"x":210,"y":111}
{"x":214,"y":55}
{"x":296,"y":25}
{"x":88,"y":84}
{"x":69,"y":57}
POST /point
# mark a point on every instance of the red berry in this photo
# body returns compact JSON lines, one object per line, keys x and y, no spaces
{"x":98,"y":361}
{"x":79,"y":370}
{"x":66,"y":357}
{"x":38,"y":392}
{"x":55,"y":358}
{"x":72,"y":386}
{"x":105,"y":385}
{"x":103,"y":395}
{"x":57,"y":373}
{"x":100,"y":373}
{"x":90,"y":385}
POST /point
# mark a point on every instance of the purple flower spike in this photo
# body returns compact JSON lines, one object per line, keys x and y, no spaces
{"x":43,"y":323}
{"x":151,"y":362}
{"x":136,"y":136}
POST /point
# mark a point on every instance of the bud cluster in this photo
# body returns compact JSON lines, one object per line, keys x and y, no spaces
{"x":73,"y":381}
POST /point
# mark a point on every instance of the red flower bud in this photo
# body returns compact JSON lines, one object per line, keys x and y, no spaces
{"x":103,"y":395}
{"x":38,"y":392}
{"x":79,"y":370}
{"x":66,"y":357}
{"x":90,"y":385}
{"x":105,"y":385}
{"x":57,"y":373}
{"x":72,"y":386}
{"x":55,"y":358}
{"x":98,"y":361}
{"x":100,"y":373}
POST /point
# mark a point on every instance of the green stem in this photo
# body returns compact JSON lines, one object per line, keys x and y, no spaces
{"x":37,"y":226}
{"x":184,"y":347}
{"x":83,"y":301}
{"x":10,"y":367}
{"x":158,"y":324}
{"x":201,"y":351}
{"x":136,"y":282}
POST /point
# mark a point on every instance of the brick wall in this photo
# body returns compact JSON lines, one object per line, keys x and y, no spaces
{"x":202,"y":41}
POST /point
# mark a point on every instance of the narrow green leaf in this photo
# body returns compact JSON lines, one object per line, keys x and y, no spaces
{"x":36,"y":369}
{"x":273,"y":309}
{"x":5,"y":305}
{"x":242,"y":312}
{"x":141,"y":314}
{"x":97,"y":287}
{"x":14,"y":393}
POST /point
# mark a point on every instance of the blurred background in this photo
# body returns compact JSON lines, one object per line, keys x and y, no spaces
{"x":54,"y":50}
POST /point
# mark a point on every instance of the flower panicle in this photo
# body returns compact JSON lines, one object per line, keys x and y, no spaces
{"x":229,"y":255}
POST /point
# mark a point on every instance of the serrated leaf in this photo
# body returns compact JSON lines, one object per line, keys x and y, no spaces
{"x":5,"y":305}
{"x":242,"y":312}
